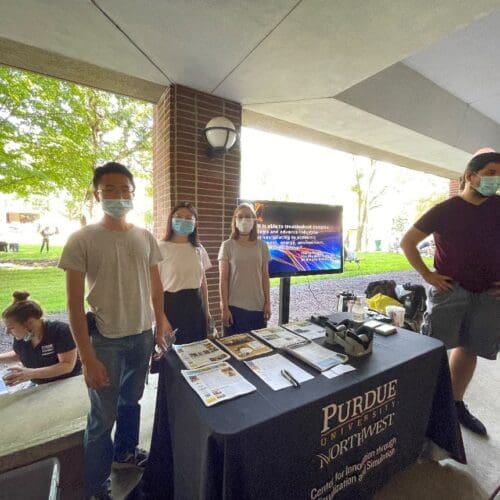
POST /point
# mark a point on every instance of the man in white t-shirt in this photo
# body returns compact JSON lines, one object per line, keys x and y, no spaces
{"x":119,"y":262}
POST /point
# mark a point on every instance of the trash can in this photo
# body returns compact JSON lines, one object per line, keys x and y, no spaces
{"x":38,"y":481}
{"x":378,"y":245}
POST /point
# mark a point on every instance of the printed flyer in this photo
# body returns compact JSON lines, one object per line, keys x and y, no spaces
{"x":217,"y":383}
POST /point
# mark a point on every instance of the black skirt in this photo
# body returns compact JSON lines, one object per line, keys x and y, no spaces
{"x":184,"y":310}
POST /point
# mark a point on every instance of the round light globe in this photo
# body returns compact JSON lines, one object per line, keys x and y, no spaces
{"x":220,"y":133}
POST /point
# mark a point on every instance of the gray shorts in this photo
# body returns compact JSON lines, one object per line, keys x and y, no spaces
{"x":466,"y":319}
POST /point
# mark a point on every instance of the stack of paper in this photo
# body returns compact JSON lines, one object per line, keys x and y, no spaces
{"x":306,"y":329}
{"x":277,"y":337}
{"x":315,"y":355}
{"x":243,"y":346}
{"x":198,"y":354}
{"x":217,"y":383}
{"x":270,"y":368}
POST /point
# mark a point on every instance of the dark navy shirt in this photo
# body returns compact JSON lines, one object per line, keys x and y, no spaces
{"x":56,"y":340}
{"x":467,"y":238}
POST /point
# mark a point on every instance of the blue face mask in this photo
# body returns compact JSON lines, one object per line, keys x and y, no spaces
{"x":117,"y":208}
{"x":182,"y":227}
{"x":489,"y":185}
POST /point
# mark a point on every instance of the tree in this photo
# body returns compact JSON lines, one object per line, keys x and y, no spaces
{"x":400,"y":224}
{"x":425,"y":204}
{"x":366,"y":200}
{"x":53,"y":134}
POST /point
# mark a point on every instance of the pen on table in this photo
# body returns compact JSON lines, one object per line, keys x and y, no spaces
{"x":290,"y":378}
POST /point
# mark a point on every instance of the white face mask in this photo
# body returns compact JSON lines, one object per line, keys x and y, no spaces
{"x":245,"y":225}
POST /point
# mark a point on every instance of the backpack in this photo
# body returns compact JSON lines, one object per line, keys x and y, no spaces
{"x":385,"y":287}
{"x":414,"y":298}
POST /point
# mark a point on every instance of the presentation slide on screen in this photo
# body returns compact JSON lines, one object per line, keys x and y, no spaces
{"x":302,"y":238}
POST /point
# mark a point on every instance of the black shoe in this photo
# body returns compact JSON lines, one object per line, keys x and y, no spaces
{"x":468,"y":420}
{"x":104,"y":493}
{"x":138,"y":460}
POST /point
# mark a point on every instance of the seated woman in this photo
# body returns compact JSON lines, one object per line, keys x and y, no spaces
{"x":45,"y":348}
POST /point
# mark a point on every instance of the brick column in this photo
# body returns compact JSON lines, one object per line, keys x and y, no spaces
{"x":454,"y":187}
{"x":183,"y":172}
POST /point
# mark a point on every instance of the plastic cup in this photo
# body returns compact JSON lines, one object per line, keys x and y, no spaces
{"x":397,"y":315}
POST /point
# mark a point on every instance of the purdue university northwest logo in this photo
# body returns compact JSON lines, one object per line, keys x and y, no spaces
{"x":349,"y":424}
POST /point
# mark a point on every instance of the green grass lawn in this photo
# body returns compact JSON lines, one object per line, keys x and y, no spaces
{"x":371,"y":263}
{"x":47,"y":286}
{"x":31,"y":252}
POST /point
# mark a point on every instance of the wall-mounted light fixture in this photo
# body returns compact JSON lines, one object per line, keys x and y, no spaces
{"x":221,"y":135}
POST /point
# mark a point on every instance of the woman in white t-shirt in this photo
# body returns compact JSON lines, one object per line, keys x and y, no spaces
{"x":182,"y":273}
{"x":244,"y":275}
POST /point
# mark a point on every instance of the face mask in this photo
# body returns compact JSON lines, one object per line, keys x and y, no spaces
{"x":182,"y":227}
{"x":489,"y":185}
{"x":245,"y":225}
{"x":117,"y":208}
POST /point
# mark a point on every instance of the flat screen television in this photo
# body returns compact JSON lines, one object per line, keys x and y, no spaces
{"x":303,"y":239}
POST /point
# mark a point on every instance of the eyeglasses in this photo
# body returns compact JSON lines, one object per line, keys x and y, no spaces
{"x":124,"y":190}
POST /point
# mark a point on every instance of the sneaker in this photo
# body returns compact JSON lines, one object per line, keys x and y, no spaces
{"x":138,"y":460}
{"x":104,"y":493}
{"x":468,"y":420}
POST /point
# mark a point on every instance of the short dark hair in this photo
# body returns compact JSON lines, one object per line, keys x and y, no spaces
{"x":22,"y":309}
{"x":193,"y":237}
{"x":477,"y":163}
{"x":111,"y":168}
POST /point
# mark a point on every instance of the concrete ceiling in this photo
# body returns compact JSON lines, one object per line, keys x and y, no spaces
{"x":414,"y":81}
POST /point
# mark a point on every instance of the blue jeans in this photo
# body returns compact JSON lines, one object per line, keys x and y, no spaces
{"x":126,"y":360}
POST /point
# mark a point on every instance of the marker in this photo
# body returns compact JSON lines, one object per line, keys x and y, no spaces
{"x":286,"y":374}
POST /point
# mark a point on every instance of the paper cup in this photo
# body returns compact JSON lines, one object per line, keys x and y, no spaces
{"x":397,"y":315}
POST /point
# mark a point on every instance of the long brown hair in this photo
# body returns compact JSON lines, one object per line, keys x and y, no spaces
{"x":22,"y":309}
{"x":193,"y":237}
{"x":235,"y":233}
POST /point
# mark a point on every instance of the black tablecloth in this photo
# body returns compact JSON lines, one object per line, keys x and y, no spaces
{"x":327,"y":439}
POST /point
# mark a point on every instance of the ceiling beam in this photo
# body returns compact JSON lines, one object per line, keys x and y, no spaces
{"x":26,"y":57}
{"x":276,"y":126}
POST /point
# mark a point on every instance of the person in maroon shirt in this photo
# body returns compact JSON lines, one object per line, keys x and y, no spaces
{"x":464,"y":295}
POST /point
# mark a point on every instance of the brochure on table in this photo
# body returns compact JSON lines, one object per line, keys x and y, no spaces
{"x":306,"y":329}
{"x":277,"y":336}
{"x":3,"y":387}
{"x":217,"y":383}
{"x":243,"y":346}
{"x":198,"y":354}
{"x":10,"y":389}
{"x":338,"y":370}
{"x":315,"y":355}
{"x":270,"y":368}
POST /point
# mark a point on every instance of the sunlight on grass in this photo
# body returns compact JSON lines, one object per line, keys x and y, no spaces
{"x":32,"y":252}
{"x":47,"y":286}
{"x":371,"y":263}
